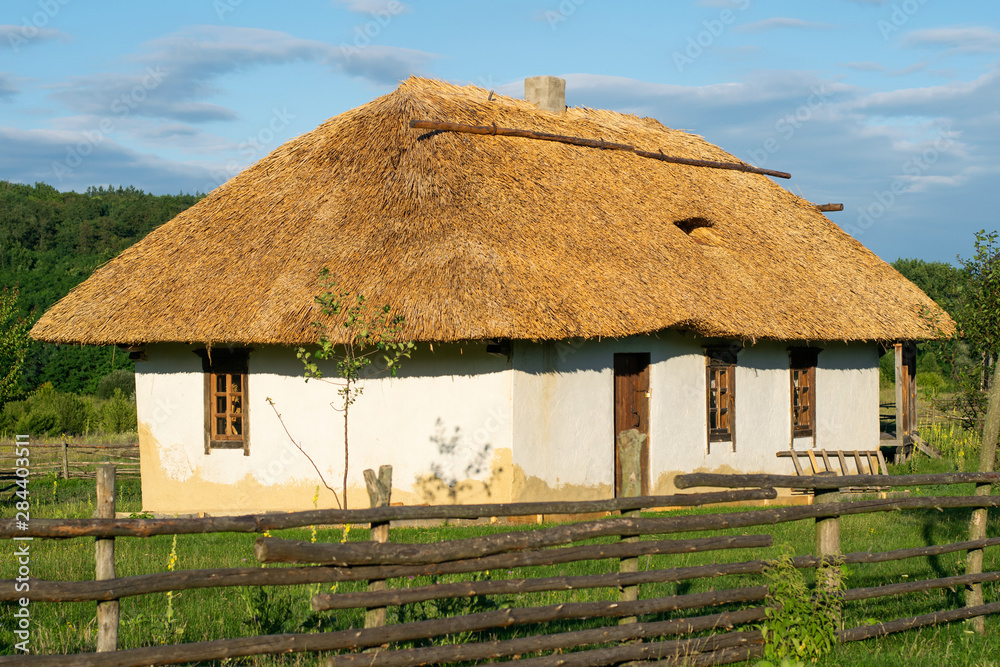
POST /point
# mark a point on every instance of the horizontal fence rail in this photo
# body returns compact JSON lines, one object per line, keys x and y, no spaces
{"x":259,"y":523}
{"x":696,"y":479}
{"x":631,"y":638}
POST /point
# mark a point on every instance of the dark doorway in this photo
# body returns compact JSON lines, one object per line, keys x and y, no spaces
{"x":632,"y":408}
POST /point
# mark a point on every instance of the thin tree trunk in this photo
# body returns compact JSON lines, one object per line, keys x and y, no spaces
{"x":977,"y":525}
{"x":347,"y":406}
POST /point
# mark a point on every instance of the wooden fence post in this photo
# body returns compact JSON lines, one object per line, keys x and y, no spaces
{"x":629,"y":458}
{"x":977,"y":524}
{"x":379,"y":490}
{"x":65,"y":460}
{"x":107,"y":612}
{"x":827,"y":531}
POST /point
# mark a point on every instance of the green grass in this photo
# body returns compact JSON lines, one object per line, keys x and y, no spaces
{"x":233,"y":612}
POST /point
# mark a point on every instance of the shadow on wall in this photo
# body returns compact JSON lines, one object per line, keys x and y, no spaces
{"x":456,"y":474}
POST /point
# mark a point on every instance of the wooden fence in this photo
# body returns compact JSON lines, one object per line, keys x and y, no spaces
{"x":656,"y":636}
{"x":69,"y":459}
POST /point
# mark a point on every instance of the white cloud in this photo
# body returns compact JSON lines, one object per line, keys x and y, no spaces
{"x":8,"y":86}
{"x":783,"y":22}
{"x":178,"y":72}
{"x":843,"y":143}
{"x":975,"y":39}
{"x":374,"y":6}
{"x":863,"y":66}
{"x":48,"y":155}
{"x":16,"y":37}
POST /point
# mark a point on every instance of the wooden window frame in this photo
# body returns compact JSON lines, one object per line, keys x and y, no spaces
{"x":226,"y":363}
{"x":802,"y":365}
{"x":721,"y":360}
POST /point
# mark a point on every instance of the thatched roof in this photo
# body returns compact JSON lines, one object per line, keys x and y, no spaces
{"x":475,"y":237}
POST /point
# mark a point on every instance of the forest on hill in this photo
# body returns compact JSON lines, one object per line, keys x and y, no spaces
{"x":50,"y":241}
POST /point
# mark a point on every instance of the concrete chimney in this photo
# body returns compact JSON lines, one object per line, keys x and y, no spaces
{"x":546,"y":92}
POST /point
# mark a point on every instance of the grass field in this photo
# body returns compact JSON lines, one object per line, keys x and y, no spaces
{"x":233,"y":612}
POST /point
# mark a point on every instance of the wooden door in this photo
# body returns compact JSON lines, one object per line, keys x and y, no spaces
{"x":632,"y":408}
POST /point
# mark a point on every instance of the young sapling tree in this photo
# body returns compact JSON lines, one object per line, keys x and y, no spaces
{"x":373,"y":345}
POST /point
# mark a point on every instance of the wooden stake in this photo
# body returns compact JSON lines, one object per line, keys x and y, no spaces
{"x":629,"y":457}
{"x":379,"y":490}
{"x":107,"y":612}
{"x":827,"y":535}
{"x":977,"y":524}
{"x":65,"y":460}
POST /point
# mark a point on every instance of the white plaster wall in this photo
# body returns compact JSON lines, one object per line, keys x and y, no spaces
{"x":847,"y":397}
{"x":564,"y":415}
{"x":448,"y":412}
{"x":457,"y":411}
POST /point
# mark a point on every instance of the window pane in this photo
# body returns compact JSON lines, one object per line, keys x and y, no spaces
{"x":220,"y":426}
{"x":237,"y":405}
{"x":237,"y":426}
{"x":220,"y":405}
{"x":220,"y":382}
{"x":237,"y":383}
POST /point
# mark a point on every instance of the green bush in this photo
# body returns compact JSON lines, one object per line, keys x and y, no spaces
{"x":120,"y":379}
{"x":887,"y":370}
{"x":118,"y":415}
{"x":932,"y":383}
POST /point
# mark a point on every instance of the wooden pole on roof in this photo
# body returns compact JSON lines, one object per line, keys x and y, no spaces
{"x":494,"y":130}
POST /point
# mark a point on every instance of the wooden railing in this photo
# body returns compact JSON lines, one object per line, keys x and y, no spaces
{"x":69,"y":459}
{"x":734,"y":638}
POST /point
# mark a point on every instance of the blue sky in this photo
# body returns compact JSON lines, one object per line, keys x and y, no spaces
{"x":891,"y":107}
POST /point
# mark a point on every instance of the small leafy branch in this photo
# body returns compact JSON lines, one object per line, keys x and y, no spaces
{"x":801,"y":625}
{"x":373,"y":345}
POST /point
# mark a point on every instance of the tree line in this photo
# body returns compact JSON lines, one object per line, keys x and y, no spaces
{"x":50,"y":242}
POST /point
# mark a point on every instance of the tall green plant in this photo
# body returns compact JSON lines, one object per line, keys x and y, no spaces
{"x":801,"y":625}
{"x":13,"y":344}
{"x":980,"y":317}
{"x":373,"y":344}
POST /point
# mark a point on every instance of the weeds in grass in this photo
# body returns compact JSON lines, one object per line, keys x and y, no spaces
{"x":800,"y":625}
{"x":170,"y":629}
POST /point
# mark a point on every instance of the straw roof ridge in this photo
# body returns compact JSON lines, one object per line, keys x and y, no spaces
{"x":473,"y":237}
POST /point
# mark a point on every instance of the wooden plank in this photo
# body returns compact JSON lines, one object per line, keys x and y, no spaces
{"x":813,"y":462}
{"x":795,"y":462}
{"x":843,"y":462}
{"x":872,"y":463}
{"x":857,"y":461}
{"x":881,"y":462}
{"x":826,"y":461}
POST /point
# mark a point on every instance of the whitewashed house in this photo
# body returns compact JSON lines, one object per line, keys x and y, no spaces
{"x":559,"y":293}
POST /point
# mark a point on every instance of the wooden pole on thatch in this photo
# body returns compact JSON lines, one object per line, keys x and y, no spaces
{"x":977,"y":524}
{"x":107,"y":612}
{"x":494,"y":130}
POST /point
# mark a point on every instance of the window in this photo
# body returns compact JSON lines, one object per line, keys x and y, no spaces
{"x":226,"y":415}
{"x":802,"y":371}
{"x":721,"y":384}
